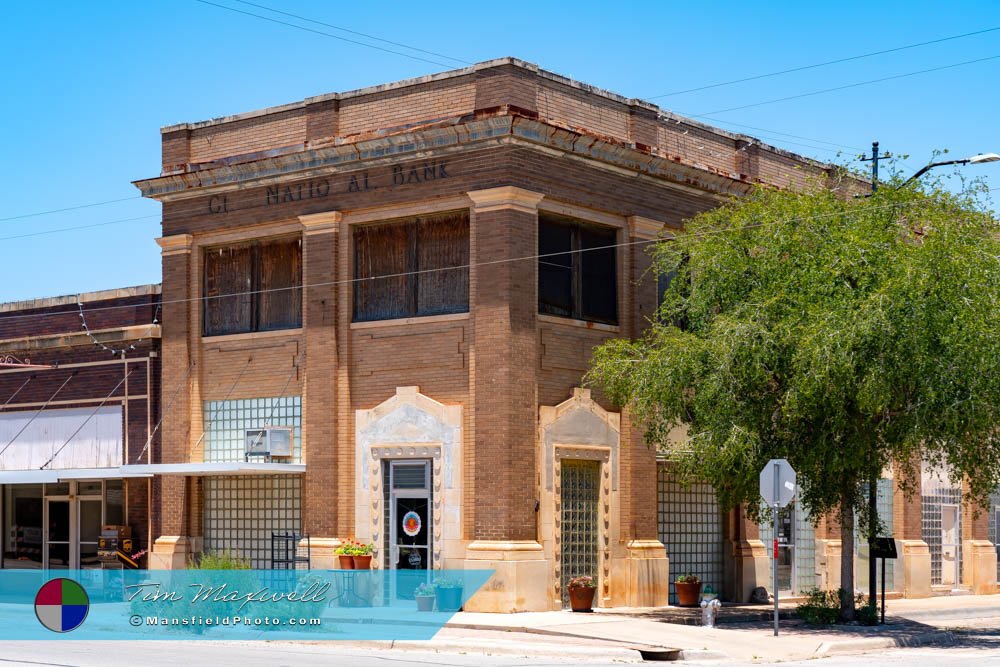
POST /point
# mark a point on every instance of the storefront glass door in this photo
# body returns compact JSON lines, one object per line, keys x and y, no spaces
{"x":58,"y":534}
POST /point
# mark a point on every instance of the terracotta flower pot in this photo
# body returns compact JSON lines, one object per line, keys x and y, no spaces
{"x":582,"y":598}
{"x":346,"y":562}
{"x":424,"y":602}
{"x":362,"y":562}
{"x":687,"y":594}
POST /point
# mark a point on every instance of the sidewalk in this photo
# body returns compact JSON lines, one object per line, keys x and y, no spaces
{"x":909,"y":623}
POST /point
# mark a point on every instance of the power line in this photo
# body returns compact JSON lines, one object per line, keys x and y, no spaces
{"x":68,"y":208}
{"x":853,"y":85}
{"x":325,"y":34}
{"x":822,"y":64}
{"x":470,"y":265}
{"x":355,"y":32}
{"x":70,"y":229}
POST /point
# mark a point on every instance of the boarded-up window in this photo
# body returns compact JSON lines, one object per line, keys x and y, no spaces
{"x":253,"y":287}
{"x":577,"y":275}
{"x":412,"y":268}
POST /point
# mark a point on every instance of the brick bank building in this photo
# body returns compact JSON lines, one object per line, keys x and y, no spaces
{"x":379,"y":305}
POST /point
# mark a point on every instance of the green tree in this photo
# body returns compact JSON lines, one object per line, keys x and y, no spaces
{"x":842,"y":334}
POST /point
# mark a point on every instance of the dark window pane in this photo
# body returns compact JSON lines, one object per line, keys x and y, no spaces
{"x":280,"y":266}
{"x":597,"y":265}
{"x":228,"y":271}
{"x":555,"y":271}
{"x":443,"y":242}
{"x":381,"y":258}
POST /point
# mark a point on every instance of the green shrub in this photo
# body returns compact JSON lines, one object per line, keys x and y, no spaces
{"x":220,"y":560}
{"x":865,"y":614}
{"x":820,"y":607}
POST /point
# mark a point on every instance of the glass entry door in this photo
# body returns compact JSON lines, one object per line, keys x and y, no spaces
{"x":410,"y":515}
{"x":949,"y":545}
{"x":58,"y":534}
{"x":89,"y":530}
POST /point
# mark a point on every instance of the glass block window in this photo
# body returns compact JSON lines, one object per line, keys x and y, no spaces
{"x":226,"y":423}
{"x":884,"y":501}
{"x":797,"y":556}
{"x":690,"y":526}
{"x":241,"y":513}
{"x":579,"y":519}
{"x":937,"y":491}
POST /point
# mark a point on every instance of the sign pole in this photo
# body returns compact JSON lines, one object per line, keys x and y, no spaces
{"x":883,"y":591}
{"x":774,"y":514}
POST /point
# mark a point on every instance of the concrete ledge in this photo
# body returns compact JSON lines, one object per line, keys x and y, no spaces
{"x":941,"y":637}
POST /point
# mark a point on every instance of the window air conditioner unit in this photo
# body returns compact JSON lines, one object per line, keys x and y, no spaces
{"x":271,"y":441}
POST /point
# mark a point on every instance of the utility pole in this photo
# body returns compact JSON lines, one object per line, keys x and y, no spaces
{"x":875,"y":157}
{"x":873,"y":480}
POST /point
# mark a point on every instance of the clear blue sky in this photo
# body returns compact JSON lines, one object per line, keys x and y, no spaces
{"x":88,"y":85}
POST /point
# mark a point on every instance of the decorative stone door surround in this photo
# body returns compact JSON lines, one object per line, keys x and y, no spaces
{"x":410,"y":425}
{"x":578,"y":428}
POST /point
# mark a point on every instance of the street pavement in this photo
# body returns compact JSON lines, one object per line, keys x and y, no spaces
{"x":937,"y":631}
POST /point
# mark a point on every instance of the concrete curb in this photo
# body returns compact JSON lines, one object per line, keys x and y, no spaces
{"x":523,"y":649}
{"x":942,"y":637}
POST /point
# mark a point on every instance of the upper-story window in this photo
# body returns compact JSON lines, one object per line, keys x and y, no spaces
{"x":412,"y":268}
{"x":253,"y":286}
{"x":577,"y":274}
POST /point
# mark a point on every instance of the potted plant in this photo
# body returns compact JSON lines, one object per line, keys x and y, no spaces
{"x":424,"y":595}
{"x":708,"y":594}
{"x":581,"y":593}
{"x":345,"y":555}
{"x":448,"y":593}
{"x":363,"y":556}
{"x":688,"y":588}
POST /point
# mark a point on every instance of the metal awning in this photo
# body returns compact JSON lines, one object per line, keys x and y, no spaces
{"x":216,"y":468}
{"x":53,"y":476}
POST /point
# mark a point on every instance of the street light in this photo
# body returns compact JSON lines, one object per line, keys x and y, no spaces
{"x":981,"y":158}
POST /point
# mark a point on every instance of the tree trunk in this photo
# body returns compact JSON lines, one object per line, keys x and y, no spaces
{"x":846,"y":559}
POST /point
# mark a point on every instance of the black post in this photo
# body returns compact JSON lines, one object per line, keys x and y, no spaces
{"x":883,"y":591}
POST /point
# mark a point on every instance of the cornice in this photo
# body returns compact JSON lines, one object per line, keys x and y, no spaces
{"x":505,"y":197}
{"x":321,"y":223}
{"x":646,"y":228}
{"x":442,"y":142}
{"x":178,"y":244}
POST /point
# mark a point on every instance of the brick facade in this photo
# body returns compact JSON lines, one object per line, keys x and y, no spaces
{"x":83,"y":374}
{"x":504,"y":141}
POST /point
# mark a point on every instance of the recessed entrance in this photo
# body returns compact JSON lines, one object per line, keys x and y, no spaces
{"x":409,"y":515}
{"x":72,"y":525}
{"x":579,"y":513}
{"x":949,"y":545}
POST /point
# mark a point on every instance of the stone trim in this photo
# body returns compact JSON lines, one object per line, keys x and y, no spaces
{"x":647,"y":228}
{"x":406,"y":210}
{"x":505,"y":197}
{"x":177,"y":244}
{"x":580,"y":324}
{"x":426,"y":319}
{"x":410,"y":425}
{"x":578,"y":429}
{"x":582,"y":213}
{"x":321,"y":223}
